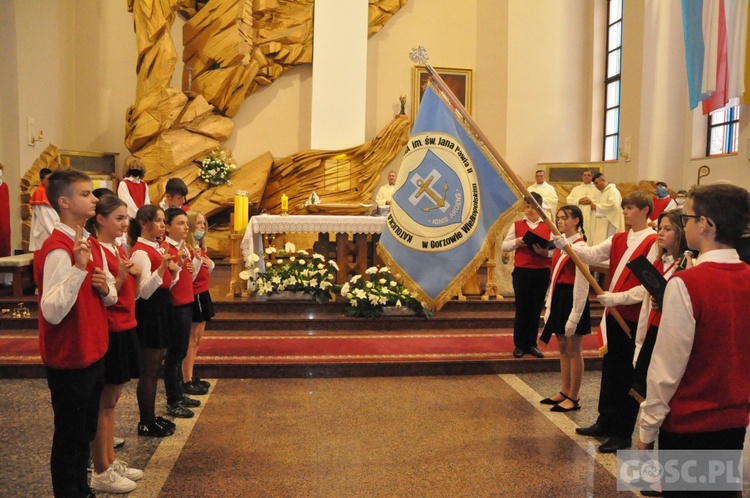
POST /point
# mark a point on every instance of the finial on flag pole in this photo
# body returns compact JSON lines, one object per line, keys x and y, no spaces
{"x":419,"y":55}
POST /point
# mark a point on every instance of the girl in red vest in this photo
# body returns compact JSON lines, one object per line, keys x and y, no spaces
{"x":568,"y":315}
{"x":178,"y":404}
{"x":670,"y":248}
{"x":203,"y":308}
{"x":153,"y":312}
{"x":530,"y":278}
{"x":121,"y":360}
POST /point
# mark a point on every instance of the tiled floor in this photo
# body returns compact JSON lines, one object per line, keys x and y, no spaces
{"x":400,"y":436}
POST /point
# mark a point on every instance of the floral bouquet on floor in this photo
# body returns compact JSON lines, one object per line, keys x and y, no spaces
{"x":371,"y":294}
{"x":216,"y":168}
{"x":290,"y":270}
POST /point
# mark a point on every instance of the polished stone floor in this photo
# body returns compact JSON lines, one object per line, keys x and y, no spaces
{"x":392,"y":436}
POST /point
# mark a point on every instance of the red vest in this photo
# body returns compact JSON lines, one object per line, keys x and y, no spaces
{"x":182,"y":291}
{"x":714,"y":392}
{"x":525,"y":256}
{"x":155,"y":257}
{"x":40,"y":196}
{"x":202,"y":280}
{"x":137,"y":191}
{"x":121,"y":315}
{"x":619,"y":247}
{"x":659,"y":206}
{"x":81,"y":338}
{"x":567,"y":273}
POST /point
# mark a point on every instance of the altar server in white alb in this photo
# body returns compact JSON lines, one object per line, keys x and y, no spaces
{"x":583,"y":196}
{"x":608,"y":210}
{"x":547,"y":192}
{"x":132,"y":189}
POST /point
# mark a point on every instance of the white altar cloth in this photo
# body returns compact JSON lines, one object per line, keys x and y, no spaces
{"x":252,"y":242}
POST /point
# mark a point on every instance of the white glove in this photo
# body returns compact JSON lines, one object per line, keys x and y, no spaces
{"x":570,"y":328}
{"x":560,"y":241}
{"x":611,"y":299}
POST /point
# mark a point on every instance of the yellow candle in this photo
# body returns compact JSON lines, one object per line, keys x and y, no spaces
{"x":245,"y":211}
{"x":237,"y":212}
{"x":284,"y":202}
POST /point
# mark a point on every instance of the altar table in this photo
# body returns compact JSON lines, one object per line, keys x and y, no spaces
{"x":353,"y":256}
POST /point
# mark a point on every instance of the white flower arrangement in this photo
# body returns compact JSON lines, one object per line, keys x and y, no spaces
{"x":216,"y":168}
{"x":291,"y":270}
{"x":369,"y":295}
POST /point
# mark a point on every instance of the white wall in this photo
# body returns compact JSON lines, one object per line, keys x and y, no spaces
{"x":549,"y":82}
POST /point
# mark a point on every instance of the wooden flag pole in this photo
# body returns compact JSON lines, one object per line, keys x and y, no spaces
{"x":419,"y":56}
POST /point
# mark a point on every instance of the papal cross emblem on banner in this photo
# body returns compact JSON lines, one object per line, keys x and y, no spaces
{"x":450,"y":203}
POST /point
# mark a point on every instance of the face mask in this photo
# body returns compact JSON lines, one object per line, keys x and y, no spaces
{"x":680,"y":201}
{"x":199,"y":234}
{"x":135,"y":173}
{"x":661,"y":192}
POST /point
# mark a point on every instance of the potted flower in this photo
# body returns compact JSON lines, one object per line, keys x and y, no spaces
{"x":216,"y":168}
{"x":290,"y":270}
{"x":377,"y":292}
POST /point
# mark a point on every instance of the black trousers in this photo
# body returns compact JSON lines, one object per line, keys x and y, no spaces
{"x":530,"y":287}
{"x":618,"y":410}
{"x":176,"y":352}
{"x":728,"y":439}
{"x":75,"y":402}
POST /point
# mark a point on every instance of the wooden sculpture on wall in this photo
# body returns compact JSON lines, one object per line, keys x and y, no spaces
{"x":231,"y":49}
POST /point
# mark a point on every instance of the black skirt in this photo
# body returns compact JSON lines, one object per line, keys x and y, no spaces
{"x":562,"y":303}
{"x":155,"y":319}
{"x":203,"y":307}
{"x":121,"y":363}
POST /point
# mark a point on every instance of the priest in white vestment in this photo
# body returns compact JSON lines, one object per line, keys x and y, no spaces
{"x":383,"y":197}
{"x":583,"y":196}
{"x":608,"y":210}
{"x":547,"y":192}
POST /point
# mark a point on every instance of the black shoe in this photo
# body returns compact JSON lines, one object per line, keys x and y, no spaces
{"x":550,"y":401}
{"x":595,"y":430}
{"x":189,"y":402}
{"x":179,"y":411}
{"x":154,"y":430}
{"x":575,"y":407}
{"x":615,"y":443}
{"x":518,"y":352}
{"x":194,"y":388}
{"x":203,"y":383}
{"x":166,"y":423}
{"x":533,"y":351}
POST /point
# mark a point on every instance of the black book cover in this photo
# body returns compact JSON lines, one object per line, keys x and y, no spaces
{"x":649,"y":276}
{"x":530,"y":238}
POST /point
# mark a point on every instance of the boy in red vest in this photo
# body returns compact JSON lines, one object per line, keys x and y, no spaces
{"x":618,"y":411}
{"x":74,"y":288}
{"x":530,"y":278}
{"x":699,"y":377}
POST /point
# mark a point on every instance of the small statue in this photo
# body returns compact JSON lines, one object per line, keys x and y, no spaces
{"x":402,"y":99}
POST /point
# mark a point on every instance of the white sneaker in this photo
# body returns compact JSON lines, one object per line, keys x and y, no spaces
{"x":126,"y":471}
{"x":118,"y":442}
{"x":110,"y":481}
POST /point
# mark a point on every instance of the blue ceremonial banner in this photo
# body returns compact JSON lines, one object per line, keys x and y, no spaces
{"x":449,"y":205}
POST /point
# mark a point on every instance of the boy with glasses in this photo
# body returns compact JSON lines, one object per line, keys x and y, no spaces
{"x":699,"y":377}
